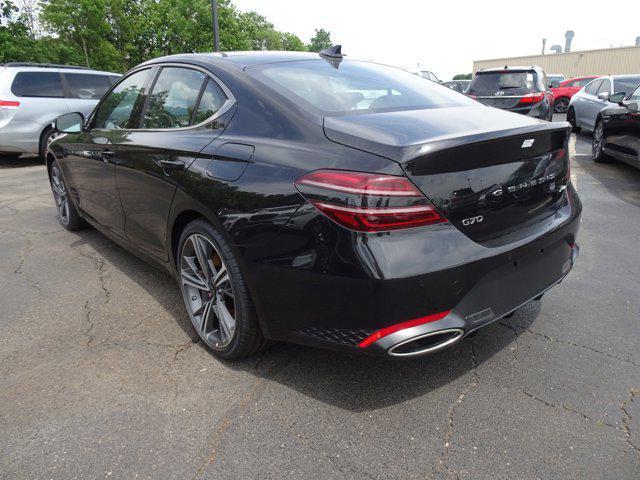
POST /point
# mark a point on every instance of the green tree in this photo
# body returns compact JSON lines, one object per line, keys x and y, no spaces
{"x":463,"y":76}
{"x":320,"y":41}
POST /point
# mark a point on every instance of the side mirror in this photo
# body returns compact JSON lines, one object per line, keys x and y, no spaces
{"x":603,"y":96}
{"x":617,"y":98}
{"x":631,"y":105}
{"x":69,"y":123}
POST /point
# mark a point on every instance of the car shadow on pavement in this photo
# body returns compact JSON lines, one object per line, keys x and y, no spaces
{"x":618,"y":178}
{"x":13,"y":162}
{"x":349,"y":381}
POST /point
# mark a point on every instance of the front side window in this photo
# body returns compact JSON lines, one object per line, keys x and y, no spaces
{"x":173,"y":98}
{"x":605,"y":86}
{"x":37,"y":84}
{"x":87,"y":87}
{"x":592,"y":88}
{"x":117,"y":110}
{"x":354,"y":86}
{"x":212,"y":100}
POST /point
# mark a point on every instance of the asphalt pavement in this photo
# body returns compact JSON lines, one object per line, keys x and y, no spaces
{"x":101,"y":375}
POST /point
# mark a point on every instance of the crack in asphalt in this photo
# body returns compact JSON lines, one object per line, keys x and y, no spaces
{"x":352,"y":470}
{"x":443,"y":460}
{"x":101,"y":267}
{"x":235,"y":411}
{"x":182,"y":347}
{"x":626,"y":419}
{"x":19,"y":270}
{"x":568,"y":342}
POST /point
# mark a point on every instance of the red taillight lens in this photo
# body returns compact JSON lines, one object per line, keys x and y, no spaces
{"x":532,"y":98}
{"x":9,"y":104}
{"x":368,"y":202}
{"x":360,"y":183}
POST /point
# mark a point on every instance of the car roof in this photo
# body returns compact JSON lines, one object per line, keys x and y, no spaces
{"x":40,"y":67}
{"x":507,"y":68}
{"x":241,"y":58}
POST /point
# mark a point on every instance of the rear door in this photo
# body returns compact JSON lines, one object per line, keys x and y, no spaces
{"x":84,"y":90}
{"x":177,"y":122}
{"x":583,"y":104}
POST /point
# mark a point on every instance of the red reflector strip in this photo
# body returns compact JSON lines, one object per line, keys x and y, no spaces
{"x":386,"y":331}
{"x":9,"y":104}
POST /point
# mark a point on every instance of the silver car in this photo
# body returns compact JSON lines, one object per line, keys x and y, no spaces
{"x":33,"y":95}
{"x":586,"y":104}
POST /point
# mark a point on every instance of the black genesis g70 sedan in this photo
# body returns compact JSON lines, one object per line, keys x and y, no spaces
{"x":319,"y":200}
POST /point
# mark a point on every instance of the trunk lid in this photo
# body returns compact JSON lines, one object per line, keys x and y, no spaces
{"x":490,"y":172}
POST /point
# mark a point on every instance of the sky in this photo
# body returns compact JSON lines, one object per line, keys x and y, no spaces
{"x":446,"y":36}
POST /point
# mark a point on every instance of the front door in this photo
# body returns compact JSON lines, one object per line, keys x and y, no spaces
{"x":92,"y":159}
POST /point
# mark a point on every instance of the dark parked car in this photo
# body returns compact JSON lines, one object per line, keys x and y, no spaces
{"x":617,"y":132}
{"x":457,"y":85}
{"x":319,"y":200}
{"x":517,"y":89}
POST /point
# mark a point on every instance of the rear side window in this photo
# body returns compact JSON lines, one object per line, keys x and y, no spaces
{"x":509,"y":82}
{"x":37,"y":84}
{"x":212,"y":100}
{"x":88,"y":87}
{"x":353,"y":86}
{"x":173,"y":98}
{"x":592,"y":88}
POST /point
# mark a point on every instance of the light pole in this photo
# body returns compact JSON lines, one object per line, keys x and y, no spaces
{"x":216,"y":35}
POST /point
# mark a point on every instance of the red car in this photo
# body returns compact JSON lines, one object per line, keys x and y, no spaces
{"x":565,"y":90}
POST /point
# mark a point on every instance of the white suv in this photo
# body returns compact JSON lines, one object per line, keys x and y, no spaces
{"x":32,"y":95}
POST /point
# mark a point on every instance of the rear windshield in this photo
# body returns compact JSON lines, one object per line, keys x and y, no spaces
{"x":626,"y":84}
{"x":510,"y":82}
{"x":354,"y":87}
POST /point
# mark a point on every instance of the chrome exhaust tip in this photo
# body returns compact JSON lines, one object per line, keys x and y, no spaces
{"x":426,"y":343}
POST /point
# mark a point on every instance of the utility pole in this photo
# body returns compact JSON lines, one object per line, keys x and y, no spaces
{"x":216,"y":35}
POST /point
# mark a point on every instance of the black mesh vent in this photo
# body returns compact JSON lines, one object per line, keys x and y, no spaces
{"x":336,"y":335}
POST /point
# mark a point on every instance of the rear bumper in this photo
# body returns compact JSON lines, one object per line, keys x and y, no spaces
{"x":333,"y":288}
{"x":20,"y":137}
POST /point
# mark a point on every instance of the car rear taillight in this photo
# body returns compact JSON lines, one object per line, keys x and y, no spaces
{"x":367,"y":202}
{"x":532,"y":98}
{"x":9,"y":104}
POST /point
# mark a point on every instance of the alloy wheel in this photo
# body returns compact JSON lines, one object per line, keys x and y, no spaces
{"x":60,"y":194}
{"x":597,"y":141}
{"x":562,"y":105}
{"x":207,"y":291}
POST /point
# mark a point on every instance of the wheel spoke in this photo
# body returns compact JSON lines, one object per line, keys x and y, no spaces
{"x":226,"y":322}
{"x":205,"y":312}
{"x":194,"y":281}
{"x":201,"y":254}
{"x":221,"y":276}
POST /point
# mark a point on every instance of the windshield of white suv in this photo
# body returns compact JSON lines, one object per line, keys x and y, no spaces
{"x":354,"y":86}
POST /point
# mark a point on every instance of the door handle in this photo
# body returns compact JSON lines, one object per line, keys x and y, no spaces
{"x":107,"y":155}
{"x":171,"y":165}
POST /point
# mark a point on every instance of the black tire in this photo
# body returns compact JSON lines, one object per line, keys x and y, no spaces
{"x":47,"y":134}
{"x":247,"y":338}
{"x":561,"y":105}
{"x":596,"y":147}
{"x":571,"y":118}
{"x":68,"y":215}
